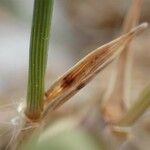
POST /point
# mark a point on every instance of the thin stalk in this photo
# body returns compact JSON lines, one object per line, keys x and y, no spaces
{"x":125,"y":59}
{"x":137,"y":110}
{"x":38,"y":57}
{"x":116,"y":100}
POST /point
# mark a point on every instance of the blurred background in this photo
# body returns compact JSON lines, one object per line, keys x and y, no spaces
{"x":78,"y":27}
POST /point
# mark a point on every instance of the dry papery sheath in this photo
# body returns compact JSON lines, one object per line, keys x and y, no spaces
{"x":80,"y":74}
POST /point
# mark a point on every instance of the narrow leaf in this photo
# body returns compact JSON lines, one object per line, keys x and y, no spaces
{"x":137,"y":110}
{"x":79,"y":75}
{"x":116,"y":99}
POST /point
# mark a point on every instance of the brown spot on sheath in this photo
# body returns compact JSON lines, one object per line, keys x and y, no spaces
{"x":80,"y":86}
{"x":96,"y":57}
{"x":46,"y":94}
{"x":67,"y":81}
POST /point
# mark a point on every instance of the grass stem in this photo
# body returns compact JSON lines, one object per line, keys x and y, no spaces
{"x":38,"y":57}
{"x":137,"y":110}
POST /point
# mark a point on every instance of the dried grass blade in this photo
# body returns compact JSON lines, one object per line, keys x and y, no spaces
{"x":80,"y":74}
{"x":133,"y":15}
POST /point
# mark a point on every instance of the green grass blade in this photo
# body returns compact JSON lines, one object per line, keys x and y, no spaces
{"x":137,"y":110}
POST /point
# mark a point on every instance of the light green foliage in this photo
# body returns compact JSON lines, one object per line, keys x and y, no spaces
{"x":138,"y":109}
{"x":63,"y":136}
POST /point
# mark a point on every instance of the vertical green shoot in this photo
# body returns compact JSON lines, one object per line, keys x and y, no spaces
{"x":38,"y":57}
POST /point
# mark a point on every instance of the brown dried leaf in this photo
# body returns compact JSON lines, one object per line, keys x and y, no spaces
{"x":80,"y":74}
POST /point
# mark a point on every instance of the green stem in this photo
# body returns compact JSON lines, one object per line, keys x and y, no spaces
{"x":38,"y":57}
{"x":137,"y":110}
